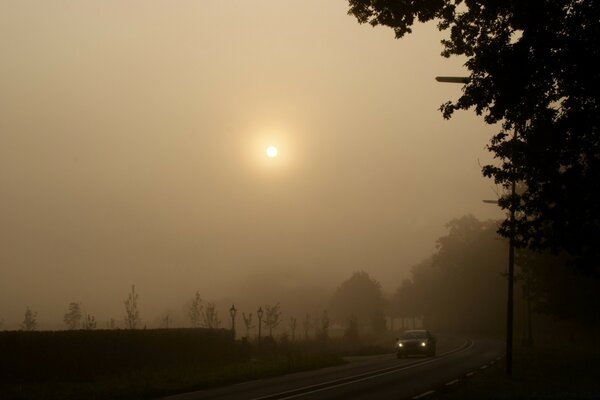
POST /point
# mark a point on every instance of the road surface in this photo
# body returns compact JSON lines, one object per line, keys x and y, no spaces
{"x":372,"y":377}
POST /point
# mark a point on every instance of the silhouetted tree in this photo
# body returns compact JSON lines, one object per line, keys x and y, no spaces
{"x":404,"y":302}
{"x":29,"y":321}
{"x":73,"y":317}
{"x":272,"y":317}
{"x":533,"y":67}
{"x":132,"y":314}
{"x":166,"y":321}
{"x":323,"y":329}
{"x":307,"y":326}
{"x":195,"y":310}
{"x":461,"y":287}
{"x":293,"y":326}
{"x":361,"y":296}
{"x":89,"y":322}
{"x":211,"y":316}
{"x":247,"y":323}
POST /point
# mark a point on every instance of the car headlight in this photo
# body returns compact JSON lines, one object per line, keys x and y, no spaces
{"x":423,"y":344}
{"x":399,"y":344}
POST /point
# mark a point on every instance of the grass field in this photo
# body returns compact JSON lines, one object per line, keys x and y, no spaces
{"x":142,"y":364}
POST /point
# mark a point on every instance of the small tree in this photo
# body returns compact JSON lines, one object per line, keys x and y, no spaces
{"x":323,"y":333}
{"x":29,"y":321}
{"x":166,"y":321}
{"x":89,"y":322}
{"x":272,"y":317}
{"x":112,"y":324}
{"x":211,"y":316}
{"x":195,"y":310}
{"x":247,"y":323}
{"x":132,"y":314}
{"x":307,"y":326}
{"x":293,"y":326}
{"x":73,"y":316}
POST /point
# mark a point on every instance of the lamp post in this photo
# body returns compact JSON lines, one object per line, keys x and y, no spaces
{"x":232,"y":313}
{"x":259,"y":313}
{"x":511,"y":247}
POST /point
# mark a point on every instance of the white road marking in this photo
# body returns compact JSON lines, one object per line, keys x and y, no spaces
{"x":427,"y":393}
{"x":483,"y":367}
{"x":359,"y":378}
{"x":452,"y":382}
{"x":470,"y":373}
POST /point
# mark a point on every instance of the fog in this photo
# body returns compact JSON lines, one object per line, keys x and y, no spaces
{"x":132,"y":151}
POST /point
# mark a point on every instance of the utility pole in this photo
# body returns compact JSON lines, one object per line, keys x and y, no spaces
{"x":511,"y":246}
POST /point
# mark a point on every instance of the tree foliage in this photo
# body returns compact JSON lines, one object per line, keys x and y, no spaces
{"x":211,"y":316}
{"x":29,"y":320}
{"x":534,"y":69}
{"x":132,"y":313}
{"x":462,"y":287}
{"x":272,"y":317}
{"x":361,"y":296}
{"x":195,"y":310}
{"x":73,"y":316}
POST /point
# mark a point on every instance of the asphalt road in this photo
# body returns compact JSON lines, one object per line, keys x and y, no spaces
{"x":372,"y":377}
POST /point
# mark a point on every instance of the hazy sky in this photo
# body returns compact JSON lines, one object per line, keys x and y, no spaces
{"x":132,"y":139}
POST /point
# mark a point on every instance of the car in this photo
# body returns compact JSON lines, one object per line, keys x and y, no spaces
{"x":416,"y":341}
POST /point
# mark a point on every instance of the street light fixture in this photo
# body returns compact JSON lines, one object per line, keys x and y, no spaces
{"x":232,"y":313}
{"x":511,"y":248}
{"x":259,"y":313}
{"x":453,"y":79}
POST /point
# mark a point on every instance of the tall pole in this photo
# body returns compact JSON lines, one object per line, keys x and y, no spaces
{"x":511,"y":246}
{"x":259,"y":313}
{"x":511,"y":273}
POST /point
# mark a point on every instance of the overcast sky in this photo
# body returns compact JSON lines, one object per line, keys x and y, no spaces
{"x":132,"y":151}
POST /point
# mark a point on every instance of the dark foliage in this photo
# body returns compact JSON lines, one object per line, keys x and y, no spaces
{"x":462,"y":287}
{"x":534,"y":68}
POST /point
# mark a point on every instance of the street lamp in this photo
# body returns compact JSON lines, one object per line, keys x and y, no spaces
{"x":259,"y":313}
{"x":453,"y":79}
{"x":232,"y":312}
{"x":511,"y":247}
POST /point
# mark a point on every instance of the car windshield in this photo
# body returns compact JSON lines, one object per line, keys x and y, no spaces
{"x":414,"y":335}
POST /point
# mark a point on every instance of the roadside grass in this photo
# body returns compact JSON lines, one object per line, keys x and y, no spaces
{"x":538,"y":373}
{"x":151,"y":382}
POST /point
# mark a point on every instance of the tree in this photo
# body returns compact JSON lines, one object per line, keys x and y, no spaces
{"x":533,"y":68}
{"x":132,"y":314}
{"x":323,"y":327}
{"x":29,"y":321}
{"x":73,"y":316}
{"x":167,"y":320}
{"x":306,"y":326}
{"x":272,"y":317}
{"x":461,"y":288}
{"x":293,"y":326}
{"x":211,"y":316}
{"x":89,"y":322}
{"x":247,"y":323}
{"x":361,"y":296}
{"x":195,"y":310}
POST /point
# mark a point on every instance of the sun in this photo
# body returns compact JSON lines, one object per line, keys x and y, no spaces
{"x":271,"y":151}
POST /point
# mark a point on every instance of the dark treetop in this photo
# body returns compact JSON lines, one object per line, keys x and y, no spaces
{"x":534,"y":68}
